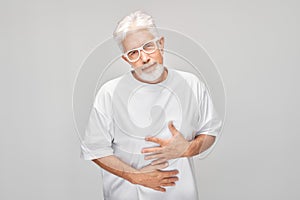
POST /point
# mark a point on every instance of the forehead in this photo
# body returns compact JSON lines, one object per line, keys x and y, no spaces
{"x":136,"y":39}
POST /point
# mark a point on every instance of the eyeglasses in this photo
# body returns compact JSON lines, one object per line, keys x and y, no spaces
{"x":149,"y":47}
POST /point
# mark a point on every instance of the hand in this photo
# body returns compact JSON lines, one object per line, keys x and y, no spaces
{"x":171,"y":148}
{"x":152,"y":177}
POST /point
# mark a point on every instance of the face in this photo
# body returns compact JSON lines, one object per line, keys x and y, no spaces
{"x":137,"y":39}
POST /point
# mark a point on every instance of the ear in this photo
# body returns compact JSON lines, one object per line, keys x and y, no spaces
{"x":161,"y":43}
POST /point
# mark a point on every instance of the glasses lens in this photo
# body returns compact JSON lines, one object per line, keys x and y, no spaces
{"x":133,"y":55}
{"x":149,"y":47}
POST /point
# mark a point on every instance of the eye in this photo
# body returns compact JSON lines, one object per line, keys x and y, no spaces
{"x":132,"y":53}
{"x":150,"y":46}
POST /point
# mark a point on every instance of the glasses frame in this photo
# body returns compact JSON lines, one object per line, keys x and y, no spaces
{"x":155,"y":40}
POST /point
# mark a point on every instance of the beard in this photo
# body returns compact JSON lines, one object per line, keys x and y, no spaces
{"x":150,"y":71}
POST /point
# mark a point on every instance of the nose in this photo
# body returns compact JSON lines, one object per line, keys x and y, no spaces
{"x":145,"y":57}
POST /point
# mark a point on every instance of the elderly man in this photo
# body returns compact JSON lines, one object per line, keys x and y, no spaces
{"x":146,"y":125}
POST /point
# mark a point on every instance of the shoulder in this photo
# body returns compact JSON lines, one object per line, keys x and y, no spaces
{"x":104,"y":94}
{"x":109,"y":86}
{"x":197,"y":86}
{"x":190,"y":78}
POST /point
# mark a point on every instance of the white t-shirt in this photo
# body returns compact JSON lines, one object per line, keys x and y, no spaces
{"x":126,"y":110}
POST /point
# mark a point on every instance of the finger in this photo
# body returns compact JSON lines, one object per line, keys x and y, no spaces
{"x":170,"y":180}
{"x":152,"y":150}
{"x":151,"y":168}
{"x":158,"y":161}
{"x":170,"y":173}
{"x":172,"y":128}
{"x":168,"y":184}
{"x":160,"y":165}
{"x":161,"y":189}
{"x":155,"y":140}
{"x":153,"y":156}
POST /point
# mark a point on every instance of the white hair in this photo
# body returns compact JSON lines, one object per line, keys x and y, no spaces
{"x":134,"y":21}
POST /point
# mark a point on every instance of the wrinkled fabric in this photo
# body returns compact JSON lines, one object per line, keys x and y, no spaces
{"x":125,"y":111}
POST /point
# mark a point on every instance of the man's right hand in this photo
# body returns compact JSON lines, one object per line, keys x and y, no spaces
{"x":153,"y":177}
{"x":150,"y":176}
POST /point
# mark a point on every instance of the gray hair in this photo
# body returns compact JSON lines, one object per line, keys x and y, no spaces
{"x":134,"y":21}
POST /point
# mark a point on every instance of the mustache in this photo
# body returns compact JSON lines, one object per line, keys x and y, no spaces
{"x":145,"y":66}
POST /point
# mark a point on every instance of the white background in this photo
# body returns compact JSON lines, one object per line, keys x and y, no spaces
{"x":255,"y":45}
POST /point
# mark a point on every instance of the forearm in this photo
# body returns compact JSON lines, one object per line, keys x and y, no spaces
{"x":117,"y":167}
{"x":199,"y":144}
{"x":149,"y":176}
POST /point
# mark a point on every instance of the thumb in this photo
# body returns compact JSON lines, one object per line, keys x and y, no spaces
{"x":172,"y":128}
{"x":150,"y":168}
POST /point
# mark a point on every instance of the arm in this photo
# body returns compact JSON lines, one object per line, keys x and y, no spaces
{"x":150,"y":176}
{"x":199,"y":145}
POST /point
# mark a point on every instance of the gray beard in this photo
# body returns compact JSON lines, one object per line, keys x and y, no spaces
{"x":152,"y":75}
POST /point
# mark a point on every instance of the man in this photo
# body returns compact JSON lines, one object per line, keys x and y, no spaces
{"x":146,"y":125}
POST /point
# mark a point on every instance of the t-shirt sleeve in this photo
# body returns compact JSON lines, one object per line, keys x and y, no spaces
{"x":209,"y":121}
{"x":98,"y":136}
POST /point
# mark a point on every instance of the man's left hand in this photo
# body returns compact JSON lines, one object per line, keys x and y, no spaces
{"x":174,"y":147}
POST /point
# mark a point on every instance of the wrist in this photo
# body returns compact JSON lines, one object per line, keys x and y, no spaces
{"x":134,"y":177}
{"x":192,"y":149}
{"x":130,"y":175}
{"x":187,"y":152}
